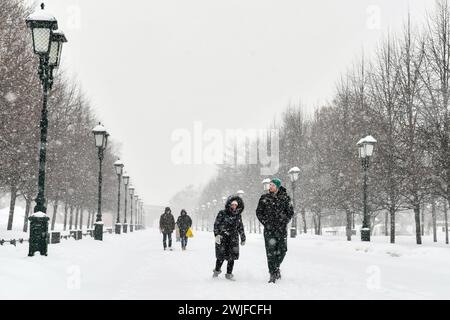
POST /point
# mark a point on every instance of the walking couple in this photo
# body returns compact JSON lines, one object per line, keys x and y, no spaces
{"x":274,"y":211}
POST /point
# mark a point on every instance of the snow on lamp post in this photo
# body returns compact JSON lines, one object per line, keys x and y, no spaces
{"x":266,"y":184}
{"x":101,"y":142}
{"x":365,"y":149}
{"x":293,"y":175}
{"x":126,"y":180}
{"x":131,"y":192}
{"x":43,"y":25}
{"x":118,"y":165}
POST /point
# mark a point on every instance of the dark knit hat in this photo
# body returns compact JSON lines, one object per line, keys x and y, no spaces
{"x":276,"y":182}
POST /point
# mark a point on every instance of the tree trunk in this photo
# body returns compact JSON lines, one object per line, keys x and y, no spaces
{"x":27,"y":213}
{"x":55,"y":210}
{"x":423,"y":222}
{"x":77,"y":212}
{"x":433,"y":215}
{"x":446,"y":221}
{"x":313,"y":217}
{"x":66,"y":208}
{"x":392,"y":214}
{"x":319,"y":224}
{"x":12,"y":205}
{"x":88,"y":218}
{"x":81,"y":218}
{"x":303,"y":212}
{"x":386,"y":223}
{"x":71,"y":218}
{"x":349,"y":225}
{"x":417,"y":219}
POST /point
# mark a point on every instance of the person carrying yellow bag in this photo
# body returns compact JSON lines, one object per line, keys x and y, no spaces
{"x":184,"y":223}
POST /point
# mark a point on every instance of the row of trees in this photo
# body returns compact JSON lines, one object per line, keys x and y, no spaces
{"x":72,"y":162}
{"x":399,"y":95}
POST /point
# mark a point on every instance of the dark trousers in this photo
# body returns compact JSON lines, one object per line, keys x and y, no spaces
{"x":184,"y":240}
{"x":165,"y":236}
{"x":230,"y":265}
{"x":276,"y":248}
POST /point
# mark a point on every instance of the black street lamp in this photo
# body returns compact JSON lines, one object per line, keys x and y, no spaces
{"x":365,"y":148}
{"x":47,"y":44}
{"x":136,"y":205}
{"x":293,"y":175}
{"x":126,"y":180}
{"x":101,"y":142}
{"x":118,"y":165}
{"x":131,"y":191}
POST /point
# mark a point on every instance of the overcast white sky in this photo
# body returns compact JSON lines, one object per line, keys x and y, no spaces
{"x":151,"y":67}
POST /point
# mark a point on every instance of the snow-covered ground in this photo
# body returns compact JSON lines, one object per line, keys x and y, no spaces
{"x":134,"y":266}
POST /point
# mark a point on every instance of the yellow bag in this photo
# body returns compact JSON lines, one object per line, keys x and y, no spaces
{"x":189,"y":233}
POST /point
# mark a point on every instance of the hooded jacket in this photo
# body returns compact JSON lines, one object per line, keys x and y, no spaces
{"x":167,"y":222}
{"x":184,"y":222}
{"x":275,"y":210}
{"x":229,"y":225}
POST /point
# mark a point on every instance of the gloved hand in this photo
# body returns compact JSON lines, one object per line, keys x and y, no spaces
{"x":218,"y":239}
{"x":243,"y":243}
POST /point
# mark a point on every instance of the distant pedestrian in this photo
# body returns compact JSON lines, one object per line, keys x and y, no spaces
{"x":184,"y":222}
{"x":228,"y":228}
{"x":274,"y":211}
{"x":167,"y":226}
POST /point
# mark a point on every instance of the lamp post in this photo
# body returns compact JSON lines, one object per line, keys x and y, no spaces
{"x":101,"y":142}
{"x":131,"y":191}
{"x":293,"y":175}
{"x":136,"y":205}
{"x":126,"y":180}
{"x":203,"y":216}
{"x":118,"y":165}
{"x":365,"y":148}
{"x":47,"y":44}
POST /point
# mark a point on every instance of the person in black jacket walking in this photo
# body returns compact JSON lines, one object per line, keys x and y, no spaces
{"x":166,"y":226}
{"x":228,"y":228}
{"x":184,"y":222}
{"x":274,"y":211}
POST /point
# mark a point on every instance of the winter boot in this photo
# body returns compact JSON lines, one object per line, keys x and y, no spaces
{"x":229,"y":276}
{"x":278,"y":274}
{"x":216,"y":273}
{"x":273,"y":278}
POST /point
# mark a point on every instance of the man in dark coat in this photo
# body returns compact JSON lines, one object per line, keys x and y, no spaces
{"x":274,"y":211}
{"x":228,"y":228}
{"x":184,"y":222}
{"x":166,"y":226}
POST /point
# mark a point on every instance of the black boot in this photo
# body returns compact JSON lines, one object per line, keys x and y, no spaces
{"x":273,"y":278}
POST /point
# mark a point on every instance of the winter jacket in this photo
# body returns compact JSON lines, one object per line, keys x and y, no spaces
{"x":184,"y":222}
{"x":167,"y":222}
{"x":229,"y":225}
{"x":274,"y":211}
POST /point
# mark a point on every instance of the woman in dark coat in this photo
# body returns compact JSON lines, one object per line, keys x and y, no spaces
{"x":184,"y":222}
{"x":228,"y":228}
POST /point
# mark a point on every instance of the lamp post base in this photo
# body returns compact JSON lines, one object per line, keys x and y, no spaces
{"x":365,"y":234}
{"x":131,"y":228}
{"x":38,"y":235}
{"x":125,"y":228}
{"x":98,"y":231}
{"x":293,"y":232}
{"x":118,"y":228}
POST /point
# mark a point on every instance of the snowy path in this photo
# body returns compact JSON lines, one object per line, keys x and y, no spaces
{"x":134,"y":266}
